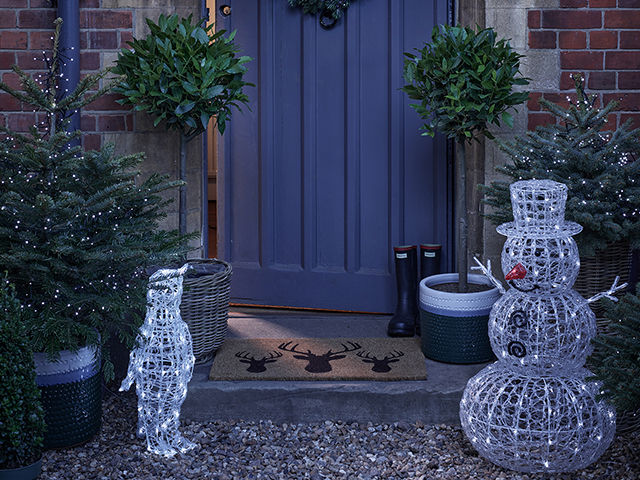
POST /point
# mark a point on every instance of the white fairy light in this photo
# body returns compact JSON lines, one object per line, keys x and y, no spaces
{"x":532,"y":410}
{"x":161,"y":365}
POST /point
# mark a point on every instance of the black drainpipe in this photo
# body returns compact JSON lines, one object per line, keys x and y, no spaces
{"x":69,"y":11}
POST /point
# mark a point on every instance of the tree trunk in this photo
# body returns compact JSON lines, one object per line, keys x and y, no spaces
{"x":182,"y":221}
{"x":461,"y":209}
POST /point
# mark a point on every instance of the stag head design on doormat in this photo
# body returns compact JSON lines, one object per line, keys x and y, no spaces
{"x":381,"y":365}
{"x":257,"y":365}
{"x":319,"y":363}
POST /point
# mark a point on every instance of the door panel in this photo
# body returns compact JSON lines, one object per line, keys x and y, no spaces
{"x":328,"y":171}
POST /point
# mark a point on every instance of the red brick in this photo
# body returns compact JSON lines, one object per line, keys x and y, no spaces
{"x":560,"y":98}
{"x":107,"y":102}
{"x":573,"y":3}
{"x":602,"y":39}
{"x":40,"y":4}
{"x":89,"y":61}
{"x":10,"y":40}
{"x":567,"y":82}
{"x":8,"y":103}
{"x":92,"y":142}
{"x":15,"y":3}
{"x":581,"y":60}
{"x":8,"y":19}
{"x":532,"y":103}
{"x":572,"y":40}
{"x":630,"y":39}
{"x":542,"y":39}
{"x":533,"y":18}
{"x":602,"y":3}
{"x":629,"y":101}
{"x":30,"y":60}
{"x":602,"y":81}
{"x":112,"y":123}
{"x":37,"y":18}
{"x":13,"y":80}
{"x":621,"y":18}
{"x":6,"y":60}
{"x":611,"y":123}
{"x":628,"y":3}
{"x":622,"y":60}
{"x":89,"y":3}
{"x":84,"y":43}
{"x":634,"y":117}
{"x":539,"y":119}
{"x":21,"y":122}
{"x":105,"y":19}
{"x":41,"y":40}
{"x":571,"y":19}
{"x":629,"y":80}
{"x":125,"y":36}
{"x":103,"y":39}
{"x":88,"y":123}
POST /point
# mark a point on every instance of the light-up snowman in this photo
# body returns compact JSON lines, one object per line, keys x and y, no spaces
{"x":532,"y":410}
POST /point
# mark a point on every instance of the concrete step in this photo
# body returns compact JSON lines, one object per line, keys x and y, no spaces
{"x":432,"y":401}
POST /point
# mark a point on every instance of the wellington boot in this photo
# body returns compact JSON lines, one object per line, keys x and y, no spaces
{"x":403,"y":322}
{"x":430,"y":255}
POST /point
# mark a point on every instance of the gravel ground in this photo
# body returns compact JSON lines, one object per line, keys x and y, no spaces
{"x":246,"y":450}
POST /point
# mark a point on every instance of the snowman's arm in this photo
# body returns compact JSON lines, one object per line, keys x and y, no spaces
{"x":487,"y":272}
{"x":134,"y":363}
{"x":609,"y":294}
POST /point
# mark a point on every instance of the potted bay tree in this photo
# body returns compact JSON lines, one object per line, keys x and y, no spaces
{"x":464,"y":82}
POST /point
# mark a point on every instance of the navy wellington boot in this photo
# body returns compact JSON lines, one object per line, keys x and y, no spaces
{"x":403,"y":322}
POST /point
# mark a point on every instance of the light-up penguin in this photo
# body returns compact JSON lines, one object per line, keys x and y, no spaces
{"x":532,"y":410}
{"x":161,"y":365}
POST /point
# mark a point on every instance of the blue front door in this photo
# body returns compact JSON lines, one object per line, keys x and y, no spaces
{"x":328,"y":171}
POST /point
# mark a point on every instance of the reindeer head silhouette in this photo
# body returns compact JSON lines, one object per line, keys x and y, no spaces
{"x":319,"y":363}
{"x":381,"y":365}
{"x":257,"y":365}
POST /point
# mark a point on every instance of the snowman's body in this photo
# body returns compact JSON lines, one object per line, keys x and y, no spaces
{"x":161,"y":365}
{"x":532,"y":410}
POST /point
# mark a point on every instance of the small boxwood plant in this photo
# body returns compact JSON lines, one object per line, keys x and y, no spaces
{"x":21,"y":414}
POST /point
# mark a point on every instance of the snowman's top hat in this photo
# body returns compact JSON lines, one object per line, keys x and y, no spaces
{"x":538,"y":211}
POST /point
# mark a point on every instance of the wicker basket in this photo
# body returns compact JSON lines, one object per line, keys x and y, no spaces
{"x":597,"y":274}
{"x":205,"y":307}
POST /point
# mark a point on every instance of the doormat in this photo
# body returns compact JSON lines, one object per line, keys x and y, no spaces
{"x":382,"y":359}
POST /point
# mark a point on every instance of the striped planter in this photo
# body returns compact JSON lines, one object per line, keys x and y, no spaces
{"x":454,"y":326}
{"x":71,"y":396}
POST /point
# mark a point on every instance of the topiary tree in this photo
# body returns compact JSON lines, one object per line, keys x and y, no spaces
{"x":464,"y":82}
{"x":21,"y":414}
{"x":184,"y":74}
{"x":598,"y":165}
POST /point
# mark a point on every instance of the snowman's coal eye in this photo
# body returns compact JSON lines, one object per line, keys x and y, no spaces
{"x":517,"y":349}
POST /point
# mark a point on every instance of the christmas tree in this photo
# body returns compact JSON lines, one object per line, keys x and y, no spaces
{"x":597,"y":165}
{"x":616,"y":361}
{"x":78,"y":229}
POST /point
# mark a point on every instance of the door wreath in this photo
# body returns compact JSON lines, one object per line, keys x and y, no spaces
{"x":329,"y":8}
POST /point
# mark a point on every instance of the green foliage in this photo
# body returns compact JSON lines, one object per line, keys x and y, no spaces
{"x":77,"y":231}
{"x":616,"y":361}
{"x":464,"y":82}
{"x":598,"y":166}
{"x":183,"y":74}
{"x":335,"y":7}
{"x":21,"y":414}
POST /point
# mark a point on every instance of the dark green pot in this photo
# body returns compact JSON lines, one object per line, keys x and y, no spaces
{"x":71,"y":395}
{"x":24,"y":473}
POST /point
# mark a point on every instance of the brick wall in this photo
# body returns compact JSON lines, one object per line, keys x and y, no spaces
{"x":26,"y":30}
{"x":598,"y":39}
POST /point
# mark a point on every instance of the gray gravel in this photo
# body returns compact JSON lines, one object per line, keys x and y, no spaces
{"x":246,"y":450}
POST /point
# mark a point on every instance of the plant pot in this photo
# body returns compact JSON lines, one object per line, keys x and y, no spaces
{"x":454,"y":326}
{"x":71,"y":396}
{"x":30,"y":472}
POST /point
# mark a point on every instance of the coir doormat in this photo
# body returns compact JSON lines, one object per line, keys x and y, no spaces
{"x":386,"y":359}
